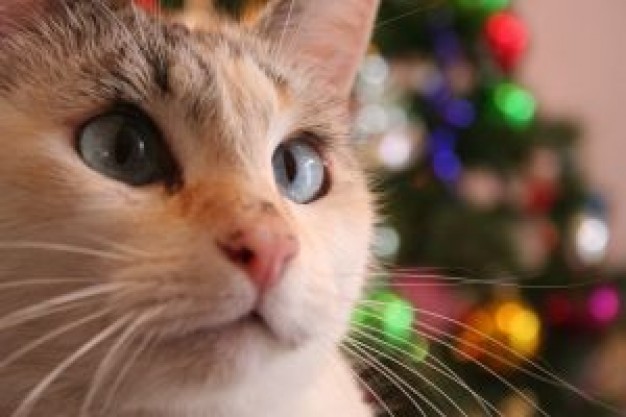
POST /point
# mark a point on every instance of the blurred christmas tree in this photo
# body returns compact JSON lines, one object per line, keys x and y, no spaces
{"x":484,"y":194}
{"x":496,"y":301}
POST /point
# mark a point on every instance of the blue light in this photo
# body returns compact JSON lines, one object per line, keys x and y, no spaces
{"x":446,"y":165}
{"x":459,"y":113}
{"x":442,"y":139}
{"x":436,"y":91}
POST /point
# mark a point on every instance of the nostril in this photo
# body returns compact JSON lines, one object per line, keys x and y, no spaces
{"x":240,"y":256}
{"x":261,"y":246}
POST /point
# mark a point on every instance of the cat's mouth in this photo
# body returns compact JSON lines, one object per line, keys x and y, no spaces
{"x":196,"y":330}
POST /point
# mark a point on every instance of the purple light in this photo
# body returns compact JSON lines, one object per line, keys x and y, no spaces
{"x":436,"y":90}
{"x":446,"y":165}
{"x":459,"y":113}
{"x":604,"y":304}
{"x":442,"y":139}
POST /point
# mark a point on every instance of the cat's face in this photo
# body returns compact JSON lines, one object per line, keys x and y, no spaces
{"x":199,"y":184}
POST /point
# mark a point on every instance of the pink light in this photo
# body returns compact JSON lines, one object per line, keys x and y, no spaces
{"x":604,"y":304}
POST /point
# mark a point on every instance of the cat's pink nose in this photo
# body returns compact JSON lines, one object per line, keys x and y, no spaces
{"x":262,"y":248}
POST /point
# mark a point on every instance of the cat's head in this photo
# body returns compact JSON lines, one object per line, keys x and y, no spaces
{"x":196,"y":188}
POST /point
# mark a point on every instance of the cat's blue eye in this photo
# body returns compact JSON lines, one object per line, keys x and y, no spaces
{"x":125,"y":146}
{"x":300,"y":171}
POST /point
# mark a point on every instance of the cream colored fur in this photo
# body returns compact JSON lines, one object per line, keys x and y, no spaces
{"x":224,"y":98}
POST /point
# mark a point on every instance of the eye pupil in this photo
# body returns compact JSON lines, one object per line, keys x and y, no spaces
{"x":125,"y":145}
{"x":124,"y":149}
{"x":299,"y":171}
{"x":291,"y":167}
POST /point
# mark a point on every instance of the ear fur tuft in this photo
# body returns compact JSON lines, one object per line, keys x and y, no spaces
{"x":332,"y":35}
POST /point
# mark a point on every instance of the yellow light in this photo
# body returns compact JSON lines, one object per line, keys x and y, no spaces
{"x":505,"y":315}
{"x":524,"y":332}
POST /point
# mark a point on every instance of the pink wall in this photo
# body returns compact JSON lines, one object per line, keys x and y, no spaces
{"x":577,"y":68}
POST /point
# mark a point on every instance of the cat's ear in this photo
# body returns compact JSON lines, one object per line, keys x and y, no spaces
{"x":332,"y":35}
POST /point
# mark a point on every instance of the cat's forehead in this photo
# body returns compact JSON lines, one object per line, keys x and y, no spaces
{"x":90,"y":57}
{"x":216,"y":75}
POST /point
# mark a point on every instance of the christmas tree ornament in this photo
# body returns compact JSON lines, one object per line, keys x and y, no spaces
{"x":386,"y":242}
{"x":481,"y":188}
{"x":391,"y":314}
{"x":604,"y":304}
{"x":500,"y":334}
{"x":561,"y":310}
{"x":539,"y":196}
{"x":458,"y":113}
{"x":446,"y":164}
{"x":514,"y":104}
{"x":507,"y":38}
{"x":482,"y":6}
{"x":492,"y":6}
{"x":148,"y":5}
{"x":590,"y":239}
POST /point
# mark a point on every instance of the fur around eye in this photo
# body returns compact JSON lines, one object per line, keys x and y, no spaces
{"x":126,"y":146}
{"x":300,"y":171}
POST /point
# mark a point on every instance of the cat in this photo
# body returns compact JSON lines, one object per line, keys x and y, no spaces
{"x":184,"y":229}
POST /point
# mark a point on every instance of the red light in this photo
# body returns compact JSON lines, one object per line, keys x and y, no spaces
{"x":507,"y":37}
{"x":148,"y":5}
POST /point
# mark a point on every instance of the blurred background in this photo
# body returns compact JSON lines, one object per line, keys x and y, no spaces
{"x":494,"y":128}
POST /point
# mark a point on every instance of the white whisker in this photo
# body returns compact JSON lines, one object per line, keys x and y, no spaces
{"x":62,"y":247}
{"x":23,"y":410}
{"x":128,"y":364}
{"x":496,"y":375}
{"x":55,"y":304}
{"x":108,"y":362}
{"x":440,"y":366}
{"x":42,"y":282}
{"x":414,"y":372}
{"x":391,"y":376}
{"x":368,"y":388}
{"x":51,"y":336}
{"x":552,"y":379}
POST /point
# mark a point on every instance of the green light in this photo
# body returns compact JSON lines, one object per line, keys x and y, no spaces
{"x":494,"y":5}
{"x":489,"y":6}
{"x":397,"y":317}
{"x":515,"y":104}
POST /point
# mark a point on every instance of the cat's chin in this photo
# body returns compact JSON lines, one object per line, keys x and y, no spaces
{"x":217,"y":355}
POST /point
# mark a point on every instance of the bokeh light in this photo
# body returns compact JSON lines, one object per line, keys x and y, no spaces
{"x":604,"y":304}
{"x":515,"y":104}
{"x":592,"y":239}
